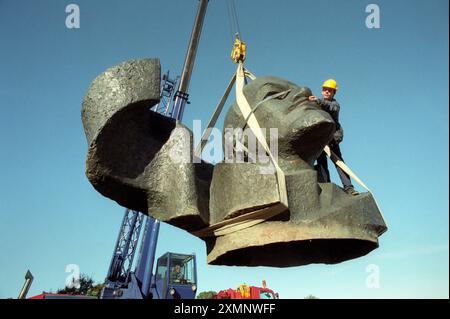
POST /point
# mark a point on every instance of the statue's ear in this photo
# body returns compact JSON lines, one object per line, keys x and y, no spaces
{"x":120,"y":129}
{"x":130,"y":147}
{"x":132,"y":84}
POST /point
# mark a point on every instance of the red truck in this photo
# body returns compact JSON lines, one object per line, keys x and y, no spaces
{"x":47,"y":295}
{"x":247,"y":292}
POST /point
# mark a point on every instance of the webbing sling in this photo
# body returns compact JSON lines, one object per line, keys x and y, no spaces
{"x":262,"y":102}
{"x":256,"y":217}
{"x":343,"y":166}
{"x":214,"y":117}
{"x":347,"y":170}
{"x":217,"y":111}
{"x":253,"y":124}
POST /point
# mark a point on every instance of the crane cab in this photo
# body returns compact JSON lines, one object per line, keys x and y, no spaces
{"x":175,"y":277}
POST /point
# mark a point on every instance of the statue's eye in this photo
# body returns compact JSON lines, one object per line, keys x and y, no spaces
{"x":269,"y":94}
{"x":278,"y":94}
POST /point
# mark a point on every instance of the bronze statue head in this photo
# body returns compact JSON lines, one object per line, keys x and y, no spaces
{"x":129,"y":160}
{"x":303,"y":128}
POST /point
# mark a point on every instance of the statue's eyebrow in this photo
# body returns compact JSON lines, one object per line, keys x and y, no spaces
{"x":274,"y":86}
{"x":270,"y":88}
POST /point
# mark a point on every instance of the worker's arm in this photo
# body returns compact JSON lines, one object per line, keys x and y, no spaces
{"x":330,"y":106}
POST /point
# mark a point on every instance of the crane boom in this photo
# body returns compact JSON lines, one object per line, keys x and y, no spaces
{"x":182,"y":96}
{"x":121,"y":282}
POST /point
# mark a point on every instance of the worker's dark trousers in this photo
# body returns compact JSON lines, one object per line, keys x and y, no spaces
{"x":323,"y":175}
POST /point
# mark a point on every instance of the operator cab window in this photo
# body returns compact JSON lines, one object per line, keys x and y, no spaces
{"x":182,"y":269}
{"x":161,"y":268}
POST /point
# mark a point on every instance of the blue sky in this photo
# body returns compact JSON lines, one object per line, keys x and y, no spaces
{"x":394,"y":99}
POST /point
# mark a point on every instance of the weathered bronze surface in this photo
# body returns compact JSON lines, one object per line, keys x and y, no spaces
{"x":134,"y":158}
{"x":130,"y":147}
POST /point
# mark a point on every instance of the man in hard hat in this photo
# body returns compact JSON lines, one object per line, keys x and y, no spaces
{"x":329,"y":104}
{"x":176,"y":275}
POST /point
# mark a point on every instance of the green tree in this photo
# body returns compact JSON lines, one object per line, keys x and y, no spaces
{"x":311,"y":297}
{"x":206,"y":295}
{"x":86,"y":287}
{"x":96,"y":290}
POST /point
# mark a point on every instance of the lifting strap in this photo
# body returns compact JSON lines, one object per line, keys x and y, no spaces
{"x":262,"y":102}
{"x":343,"y":166}
{"x":253,"y":124}
{"x":347,"y":170}
{"x":256,"y":217}
{"x":214,"y":118}
{"x":232,"y":225}
{"x":212,"y":122}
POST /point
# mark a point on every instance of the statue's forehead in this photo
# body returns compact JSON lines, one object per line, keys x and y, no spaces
{"x":269,"y":82}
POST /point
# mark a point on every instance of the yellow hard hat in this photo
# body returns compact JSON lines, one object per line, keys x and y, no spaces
{"x":331,"y":84}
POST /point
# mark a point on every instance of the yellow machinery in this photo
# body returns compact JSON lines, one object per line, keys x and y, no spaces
{"x":239,"y":50}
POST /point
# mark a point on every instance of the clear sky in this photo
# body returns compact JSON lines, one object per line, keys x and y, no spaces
{"x":394,"y":99}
